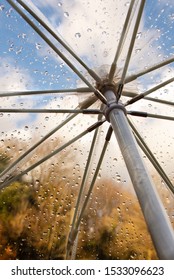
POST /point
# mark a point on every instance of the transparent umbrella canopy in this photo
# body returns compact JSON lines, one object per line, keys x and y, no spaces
{"x":72,"y":73}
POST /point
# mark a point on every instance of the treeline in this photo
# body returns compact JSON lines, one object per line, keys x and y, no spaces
{"x":36,"y":214}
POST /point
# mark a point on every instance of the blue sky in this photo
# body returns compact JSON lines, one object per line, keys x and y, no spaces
{"x":28,"y":51}
{"x":28,"y":63}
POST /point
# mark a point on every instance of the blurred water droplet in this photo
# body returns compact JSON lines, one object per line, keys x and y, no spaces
{"x":105,"y":53}
{"x":19,"y":50}
{"x":78,"y":35}
{"x":38,"y":46}
{"x":127,"y":4}
{"x":66,"y":14}
{"x":171,"y":16}
{"x":138,"y":36}
{"x":2,"y":7}
{"x":59,"y":4}
{"x":137,"y":50}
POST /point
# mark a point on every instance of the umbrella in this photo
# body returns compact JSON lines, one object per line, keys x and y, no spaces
{"x":103,"y":62}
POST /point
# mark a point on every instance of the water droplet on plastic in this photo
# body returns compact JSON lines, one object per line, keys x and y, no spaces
{"x":171,"y":16}
{"x":38,"y":46}
{"x":2,"y":7}
{"x":138,"y":36}
{"x":137,"y":50}
{"x":78,"y":35}
{"x":127,"y":4}
{"x":66,"y":14}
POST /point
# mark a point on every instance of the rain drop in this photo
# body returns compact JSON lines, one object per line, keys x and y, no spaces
{"x":138,"y":36}
{"x":127,"y":4}
{"x":89,"y":30}
{"x":38,"y":46}
{"x":2,"y":7}
{"x":137,"y":50}
{"x":78,"y":35}
{"x":66,"y":14}
{"x":59,"y":4}
{"x":171,"y":16}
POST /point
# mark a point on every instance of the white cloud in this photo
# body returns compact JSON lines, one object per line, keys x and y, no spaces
{"x":93,"y":30}
{"x":12,"y":79}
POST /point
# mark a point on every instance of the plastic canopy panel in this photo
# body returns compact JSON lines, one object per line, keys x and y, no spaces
{"x":86,"y":151}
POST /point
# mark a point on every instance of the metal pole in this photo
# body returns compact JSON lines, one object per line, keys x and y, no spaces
{"x":155,"y":215}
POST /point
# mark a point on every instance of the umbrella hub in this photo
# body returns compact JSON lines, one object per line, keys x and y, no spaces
{"x":105,"y":85}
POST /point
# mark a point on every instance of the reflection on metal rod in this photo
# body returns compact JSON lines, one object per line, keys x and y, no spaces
{"x":154,"y":213}
{"x":151,"y":157}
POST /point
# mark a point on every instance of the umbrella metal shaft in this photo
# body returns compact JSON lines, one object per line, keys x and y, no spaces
{"x":153,"y":210}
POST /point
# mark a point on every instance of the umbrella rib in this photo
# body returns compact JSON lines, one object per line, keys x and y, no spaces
{"x":55,"y":35}
{"x":87,"y":103}
{"x":58,"y":150}
{"x":134,"y":94}
{"x":76,"y":228}
{"x":38,"y":92}
{"x":142,"y":95}
{"x":131,"y":46}
{"x":58,"y":52}
{"x":151,"y":157}
{"x":81,"y":191}
{"x":121,"y":41}
{"x":148,"y":70}
{"x":146,"y":115}
{"x":50,"y":111}
{"x":160,"y":101}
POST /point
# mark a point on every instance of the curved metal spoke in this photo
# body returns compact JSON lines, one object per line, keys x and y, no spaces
{"x":148,"y":70}
{"x":122,"y":39}
{"x":13,"y":179}
{"x":49,"y":111}
{"x":81,"y":192}
{"x":58,"y":52}
{"x":76,"y":228}
{"x":55,"y":35}
{"x":41,"y":92}
{"x":134,"y":94}
{"x":142,"y":95}
{"x":129,"y":54}
{"x":146,"y":115}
